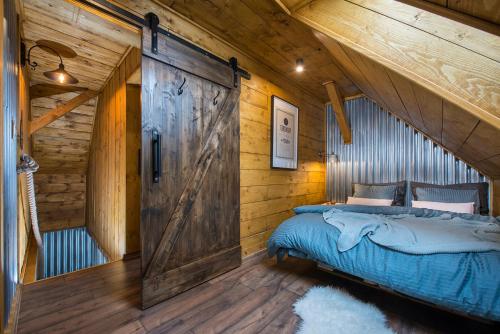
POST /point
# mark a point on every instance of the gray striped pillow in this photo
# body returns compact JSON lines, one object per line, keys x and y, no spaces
{"x":374,"y":191}
{"x":447,"y":195}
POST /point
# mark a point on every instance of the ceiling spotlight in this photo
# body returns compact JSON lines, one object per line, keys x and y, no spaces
{"x":60,"y":74}
{"x":299,"y":65}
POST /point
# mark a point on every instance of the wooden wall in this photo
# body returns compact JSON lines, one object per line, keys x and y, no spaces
{"x":62,"y":146}
{"x":106,"y":176}
{"x":268,"y":195}
{"x":133,"y":140}
{"x":61,"y":149}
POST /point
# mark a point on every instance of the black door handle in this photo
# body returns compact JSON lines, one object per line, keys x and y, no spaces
{"x":156,"y":145}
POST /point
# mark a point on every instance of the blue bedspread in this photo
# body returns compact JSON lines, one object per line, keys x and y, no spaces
{"x":414,"y":234}
{"x":468,"y":282}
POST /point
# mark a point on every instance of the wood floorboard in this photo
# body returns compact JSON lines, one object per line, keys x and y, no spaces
{"x":257,"y":297}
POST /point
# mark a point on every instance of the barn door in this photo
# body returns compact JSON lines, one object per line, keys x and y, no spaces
{"x":190,"y":169}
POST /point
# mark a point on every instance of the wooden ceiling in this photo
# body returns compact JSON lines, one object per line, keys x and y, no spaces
{"x":454,"y":99}
{"x":439,"y":75}
{"x":474,"y":141}
{"x":262,"y":30}
{"x":460,"y":109}
{"x":62,"y":147}
{"x":488,"y":10}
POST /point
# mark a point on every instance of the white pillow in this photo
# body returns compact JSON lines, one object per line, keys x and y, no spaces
{"x":369,"y":201}
{"x":453,"y":207}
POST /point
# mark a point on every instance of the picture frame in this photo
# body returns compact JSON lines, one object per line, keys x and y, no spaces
{"x":284,"y":134}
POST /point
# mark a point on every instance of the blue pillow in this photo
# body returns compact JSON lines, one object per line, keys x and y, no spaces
{"x":447,"y":195}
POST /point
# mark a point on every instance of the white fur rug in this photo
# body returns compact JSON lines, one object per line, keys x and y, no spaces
{"x":329,"y":310}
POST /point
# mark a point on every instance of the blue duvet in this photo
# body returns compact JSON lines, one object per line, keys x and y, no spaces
{"x":466,"y":281}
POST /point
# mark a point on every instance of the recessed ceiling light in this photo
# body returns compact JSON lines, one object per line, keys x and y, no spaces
{"x":299,"y":65}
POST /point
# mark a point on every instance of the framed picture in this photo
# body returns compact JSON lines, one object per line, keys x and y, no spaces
{"x":285,"y":134}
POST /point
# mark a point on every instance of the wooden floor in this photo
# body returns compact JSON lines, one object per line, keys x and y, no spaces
{"x":255,"y":298}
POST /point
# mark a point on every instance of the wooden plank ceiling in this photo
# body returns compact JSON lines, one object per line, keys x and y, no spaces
{"x":488,"y":10}
{"x":62,"y":147}
{"x":264,"y":32}
{"x":458,"y":103}
{"x":454,"y":99}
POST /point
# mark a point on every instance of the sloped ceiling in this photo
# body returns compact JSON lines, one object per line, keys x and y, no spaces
{"x":264,"y":31}
{"x":440,"y":75}
{"x":433,"y":70}
{"x":488,"y":10}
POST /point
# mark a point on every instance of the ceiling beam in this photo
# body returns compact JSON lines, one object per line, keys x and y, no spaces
{"x":298,"y":5}
{"x":338,"y":108}
{"x":60,"y":111}
{"x":455,"y":32}
{"x":454,"y":15}
{"x":44,"y":90}
{"x":283,"y":6}
{"x":456,"y":73}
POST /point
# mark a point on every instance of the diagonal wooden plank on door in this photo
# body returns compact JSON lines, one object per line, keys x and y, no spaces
{"x":178,"y":219}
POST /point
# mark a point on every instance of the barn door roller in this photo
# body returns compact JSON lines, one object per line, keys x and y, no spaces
{"x":233,"y":62}
{"x":152,"y":22}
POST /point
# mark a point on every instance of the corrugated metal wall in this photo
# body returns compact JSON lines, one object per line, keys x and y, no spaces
{"x":385,"y":149}
{"x":68,"y":250}
{"x":10,"y":95}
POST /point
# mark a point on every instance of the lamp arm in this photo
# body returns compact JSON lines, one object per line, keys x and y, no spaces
{"x":35,"y":64}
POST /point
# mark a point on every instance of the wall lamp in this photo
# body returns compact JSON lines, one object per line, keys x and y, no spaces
{"x":60,"y":74}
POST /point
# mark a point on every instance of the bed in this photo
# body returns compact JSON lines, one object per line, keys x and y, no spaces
{"x":463,"y":281}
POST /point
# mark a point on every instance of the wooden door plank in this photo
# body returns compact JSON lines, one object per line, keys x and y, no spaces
{"x":178,"y":219}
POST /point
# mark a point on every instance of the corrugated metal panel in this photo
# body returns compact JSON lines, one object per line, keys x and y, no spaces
{"x":68,"y":250}
{"x":9,"y":153}
{"x":385,"y":149}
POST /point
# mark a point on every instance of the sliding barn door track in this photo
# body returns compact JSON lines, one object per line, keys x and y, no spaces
{"x":151,"y":21}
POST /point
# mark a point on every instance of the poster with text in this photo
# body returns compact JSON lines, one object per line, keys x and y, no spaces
{"x":285,"y":134}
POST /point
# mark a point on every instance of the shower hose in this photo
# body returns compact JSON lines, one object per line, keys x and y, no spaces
{"x":29,"y":166}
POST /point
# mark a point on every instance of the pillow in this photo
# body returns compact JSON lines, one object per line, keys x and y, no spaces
{"x":447,"y":195}
{"x":482,"y":189}
{"x":395,"y":191}
{"x":452,"y":207}
{"x":369,"y":201}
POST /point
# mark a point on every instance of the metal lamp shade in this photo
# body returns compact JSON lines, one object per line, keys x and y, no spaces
{"x":60,"y":75}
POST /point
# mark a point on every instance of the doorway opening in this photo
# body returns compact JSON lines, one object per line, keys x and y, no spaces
{"x":78,"y":63}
